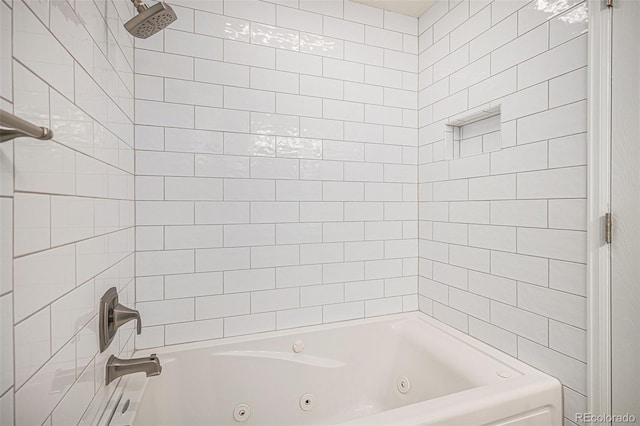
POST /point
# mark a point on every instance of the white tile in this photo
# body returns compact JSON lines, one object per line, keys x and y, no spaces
{"x":321,"y":45}
{"x":248,"y":324}
{"x":320,"y":128}
{"x":32,"y":345}
{"x":298,"y":190}
{"x":343,"y":70}
{"x":342,"y":311}
{"x":190,"y":92}
{"x":298,"y":105}
{"x":568,"y":151}
{"x":187,"y":237}
{"x":469,"y":212}
{"x":531,"y":128}
{"x":193,"y":331}
{"x":556,"y":183}
{"x":245,"y":144}
{"x":383,"y":115}
{"x":324,"y":211}
{"x":298,"y":19}
{"x":44,"y":166}
{"x":163,"y":64}
{"x":363,"y":53}
{"x":321,"y":87}
{"x":559,"y":60}
{"x":325,"y":7}
{"x":221,"y":73}
{"x":567,"y":276}
{"x":472,"y":28}
{"x":70,"y":313}
{"x":344,"y":30}
{"x":32,"y":223}
{"x":493,"y":187}
{"x":249,"y":280}
{"x":48,"y":57}
{"x":249,"y":54}
{"x":493,"y":237}
{"x":568,"y":214}
{"x":498,"y":35}
{"x":221,"y":26}
{"x":187,"y":188}
{"x":38,"y":388}
{"x":274,"y":300}
{"x":341,"y":110}
{"x":221,"y":212}
{"x":452,"y":317}
{"x":343,"y":191}
{"x":569,"y":25}
{"x":164,"y":213}
{"x":222,"y":259}
{"x":248,"y":235}
{"x":41,"y":278}
{"x":298,"y":62}
{"x":383,"y":38}
{"x":275,"y":256}
{"x":295,"y":233}
{"x":520,"y":158}
{"x":298,"y":317}
{"x":494,"y":336}
{"x":321,"y":253}
{"x":164,"y":262}
{"x":386,"y":306}
{"x":274,"y":80}
{"x":321,"y":170}
{"x":296,"y":276}
{"x":375,"y":269}
{"x":192,"y":45}
{"x":383,"y":76}
{"x":519,"y":267}
{"x":568,"y":88}
{"x":362,"y":13}
{"x":521,"y":322}
{"x":362,"y":290}
{"x":225,"y":119}
{"x":190,"y":285}
{"x":252,"y":10}
{"x":571,"y":372}
{"x":493,"y":287}
{"x":7,"y":344}
{"x":557,"y":244}
{"x":321,"y":294}
{"x":519,"y":213}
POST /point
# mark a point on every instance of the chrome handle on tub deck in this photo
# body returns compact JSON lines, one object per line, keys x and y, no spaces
{"x":113,"y":315}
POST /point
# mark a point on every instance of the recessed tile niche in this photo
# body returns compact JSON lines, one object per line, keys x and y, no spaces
{"x":473,"y":134}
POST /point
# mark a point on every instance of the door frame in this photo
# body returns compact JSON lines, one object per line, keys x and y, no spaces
{"x":599,"y":200}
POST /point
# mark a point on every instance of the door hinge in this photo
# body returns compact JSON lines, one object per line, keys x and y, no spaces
{"x":607,"y":228}
{"x":608,"y":3}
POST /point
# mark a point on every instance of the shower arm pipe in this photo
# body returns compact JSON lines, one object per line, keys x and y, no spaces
{"x":14,"y":127}
{"x":140,"y":5}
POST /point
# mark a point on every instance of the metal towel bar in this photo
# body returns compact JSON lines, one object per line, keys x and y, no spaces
{"x":14,"y":127}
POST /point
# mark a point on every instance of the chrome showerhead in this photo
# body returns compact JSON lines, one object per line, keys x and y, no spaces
{"x":150,"y":20}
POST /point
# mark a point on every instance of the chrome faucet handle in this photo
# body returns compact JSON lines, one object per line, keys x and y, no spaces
{"x":122,"y":315}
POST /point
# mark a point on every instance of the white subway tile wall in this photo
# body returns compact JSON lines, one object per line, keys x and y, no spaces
{"x":289,"y":169}
{"x":67,"y":219}
{"x":276,"y":168}
{"x":502,"y":247}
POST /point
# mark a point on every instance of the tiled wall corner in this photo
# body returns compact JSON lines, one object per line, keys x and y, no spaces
{"x":66,"y":205}
{"x":503,"y":234}
{"x":276,"y":172}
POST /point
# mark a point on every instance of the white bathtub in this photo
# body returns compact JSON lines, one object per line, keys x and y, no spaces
{"x":347,"y":373}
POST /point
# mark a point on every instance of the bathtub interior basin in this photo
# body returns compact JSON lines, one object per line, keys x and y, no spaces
{"x":402,"y":369}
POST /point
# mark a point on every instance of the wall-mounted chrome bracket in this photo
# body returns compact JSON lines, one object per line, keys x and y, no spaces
{"x":112,"y":316}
